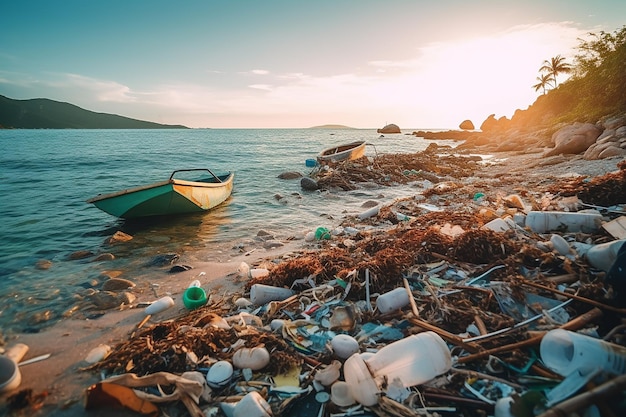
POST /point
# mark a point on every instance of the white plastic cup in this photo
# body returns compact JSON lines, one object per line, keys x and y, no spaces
{"x":413,"y":360}
{"x":545,"y":221}
{"x":565,"y":352}
{"x":340,"y":394}
{"x":261,"y":294}
{"x":159,"y":305}
{"x":10,"y":376}
{"x":603,"y":256}
{"x":392,"y":300}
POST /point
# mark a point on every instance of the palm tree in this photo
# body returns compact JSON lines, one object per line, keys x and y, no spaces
{"x":555,"y":66}
{"x":544,"y":81}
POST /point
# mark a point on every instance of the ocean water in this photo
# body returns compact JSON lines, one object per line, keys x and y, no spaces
{"x":46,"y":176}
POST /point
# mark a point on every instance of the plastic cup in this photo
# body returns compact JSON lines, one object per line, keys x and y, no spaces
{"x":340,"y":394}
{"x":565,"y":352}
{"x":159,"y":305}
{"x":194,"y":297}
{"x":10,"y":376}
{"x":261,"y":294}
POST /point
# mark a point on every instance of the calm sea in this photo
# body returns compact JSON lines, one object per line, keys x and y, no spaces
{"x":46,"y":176}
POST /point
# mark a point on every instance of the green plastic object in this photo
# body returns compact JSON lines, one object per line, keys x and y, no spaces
{"x":194,"y":297}
{"x":322,"y":233}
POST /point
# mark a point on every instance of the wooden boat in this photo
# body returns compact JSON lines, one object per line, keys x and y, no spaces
{"x":346,"y":152}
{"x":174,"y":196}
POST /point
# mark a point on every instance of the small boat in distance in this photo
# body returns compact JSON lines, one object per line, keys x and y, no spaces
{"x":345,"y":152}
{"x":171,"y":197}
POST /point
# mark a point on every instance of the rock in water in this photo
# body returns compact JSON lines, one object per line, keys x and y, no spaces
{"x":308,"y":184}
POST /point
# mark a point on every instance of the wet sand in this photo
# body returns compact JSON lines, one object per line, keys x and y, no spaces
{"x":61,"y":379}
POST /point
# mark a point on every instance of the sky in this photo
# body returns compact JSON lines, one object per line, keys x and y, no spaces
{"x":291,"y":63}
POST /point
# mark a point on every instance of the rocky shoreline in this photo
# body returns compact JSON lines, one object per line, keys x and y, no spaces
{"x":441,"y":226}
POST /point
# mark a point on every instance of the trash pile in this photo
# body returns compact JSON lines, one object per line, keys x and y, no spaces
{"x":453,"y":302}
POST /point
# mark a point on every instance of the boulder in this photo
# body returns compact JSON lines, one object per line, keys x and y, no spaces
{"x":117,"y":284}
{"x":289,"y":175}
{"x":308,"y":184}
{"x":466,"y":125}
{"x":574,"y":139}
{"x":390,"y":128}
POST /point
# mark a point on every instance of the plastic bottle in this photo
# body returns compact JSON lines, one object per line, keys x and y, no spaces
{"x":392,"y":300}
{"x":413,"y":360}
{"x":159,"y":305}
{"x":545,"y":221}
{"x":565,"y":352}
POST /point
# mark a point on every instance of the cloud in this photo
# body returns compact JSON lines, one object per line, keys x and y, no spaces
{"x":266,"y":87}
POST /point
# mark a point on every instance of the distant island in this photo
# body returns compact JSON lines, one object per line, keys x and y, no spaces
{"x":42,"y":113}
{"x":331,"y":127}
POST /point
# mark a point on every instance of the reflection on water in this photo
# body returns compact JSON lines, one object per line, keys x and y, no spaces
{"x":46,"y":176}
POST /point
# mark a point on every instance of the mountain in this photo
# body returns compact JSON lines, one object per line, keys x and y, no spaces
{"x":41,"y":113}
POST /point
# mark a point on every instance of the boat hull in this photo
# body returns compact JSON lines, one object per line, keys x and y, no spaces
{"x":346,"y":152}
{"x":166,"y":198}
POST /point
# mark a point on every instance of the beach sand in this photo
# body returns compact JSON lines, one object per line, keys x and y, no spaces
{"x":60,"y":378}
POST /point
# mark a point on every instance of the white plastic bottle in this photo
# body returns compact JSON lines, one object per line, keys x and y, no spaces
{"x":413,"y":360}
{"x":545,"y":221}
{"x":392,"y":300}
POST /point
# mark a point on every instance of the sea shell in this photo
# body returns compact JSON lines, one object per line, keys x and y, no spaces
{"x":219,"y":374}
{"x":344,"y":346}
{"x":254,"y":358}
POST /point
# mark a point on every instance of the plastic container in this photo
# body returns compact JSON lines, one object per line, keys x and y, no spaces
{"x":310,"y":163}
{"x":392,"y":300}
{"x":194,"y":297}
{"x":545,"y":221}
{"x":603,"y":256}
{"x":160,"y":305}
{"x":261,"y":294}
{"x":565,"y":352}
{"x":10,"y":376}
{"x":413,"y":360}
{"x":252,"y":405}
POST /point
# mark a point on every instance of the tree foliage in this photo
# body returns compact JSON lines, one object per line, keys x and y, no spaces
{"x":597,"y":87}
